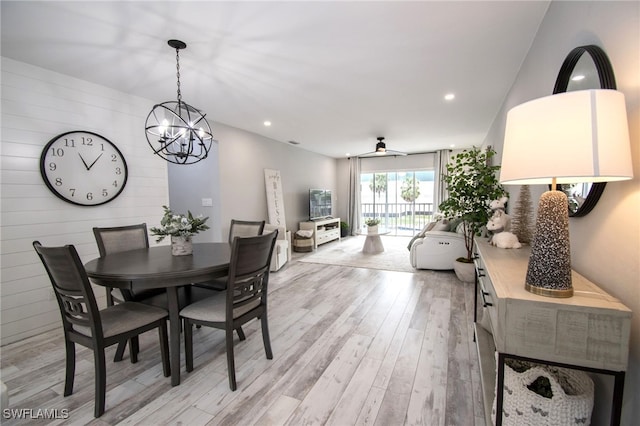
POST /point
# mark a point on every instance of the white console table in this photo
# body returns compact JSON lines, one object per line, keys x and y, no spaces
{"x":324,"y":230}
{"x":589,"y":331}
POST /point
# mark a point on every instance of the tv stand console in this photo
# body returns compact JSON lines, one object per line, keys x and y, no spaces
{"x":324,"y":230}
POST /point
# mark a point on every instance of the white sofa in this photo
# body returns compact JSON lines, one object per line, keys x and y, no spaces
{"x":436,"y":247}
{"x":282,"y":250}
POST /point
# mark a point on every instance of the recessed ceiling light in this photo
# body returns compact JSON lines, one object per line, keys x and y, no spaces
{"x":347,"y":154}
{"x":267,"y":123}
{"x":577,"y":77}
{"x":452,"y":145}
{"x":294,"y":143}
{"x":449,"y":97}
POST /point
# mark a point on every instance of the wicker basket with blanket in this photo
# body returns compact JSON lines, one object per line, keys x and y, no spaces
{"x":303,"y":241}
{"x":567,"y":400}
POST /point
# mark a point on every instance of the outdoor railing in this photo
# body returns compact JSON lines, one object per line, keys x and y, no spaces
{"x":399,"y":218}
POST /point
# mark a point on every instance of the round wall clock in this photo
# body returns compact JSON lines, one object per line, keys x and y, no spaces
{"x":83,"y":168}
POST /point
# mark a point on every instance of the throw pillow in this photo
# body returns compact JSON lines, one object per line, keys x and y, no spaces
{"x":453,"y":224}
{"x":442,"y":225}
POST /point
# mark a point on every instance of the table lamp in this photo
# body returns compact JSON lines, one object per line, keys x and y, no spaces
{"x":570,"y":137}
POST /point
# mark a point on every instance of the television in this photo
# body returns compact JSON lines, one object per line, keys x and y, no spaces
{"x":319,"y":204}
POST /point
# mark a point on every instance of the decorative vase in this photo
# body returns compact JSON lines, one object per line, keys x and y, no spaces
{"x":372,"y":229}
{"x":181,"y":246}
{"x":466,"y":272}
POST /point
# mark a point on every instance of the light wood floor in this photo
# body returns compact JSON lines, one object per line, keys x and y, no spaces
{"x":351,"y":346}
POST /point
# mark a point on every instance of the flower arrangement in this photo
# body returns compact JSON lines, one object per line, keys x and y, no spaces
{"x":372,"y":221}
{"x":179,"y":225}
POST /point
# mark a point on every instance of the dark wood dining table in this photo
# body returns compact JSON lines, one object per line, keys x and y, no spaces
{"x":156,"y":267}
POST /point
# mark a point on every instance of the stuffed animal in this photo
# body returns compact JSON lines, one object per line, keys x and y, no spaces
{"x":499,"y":222}
{"x":497,"y":207}
{"x":500,"y":237}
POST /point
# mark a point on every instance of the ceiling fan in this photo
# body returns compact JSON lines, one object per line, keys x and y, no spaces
{"x":381,"y":150}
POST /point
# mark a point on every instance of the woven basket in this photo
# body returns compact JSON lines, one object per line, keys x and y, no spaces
{"x":301,"y":244}
{"x":571,"y":403}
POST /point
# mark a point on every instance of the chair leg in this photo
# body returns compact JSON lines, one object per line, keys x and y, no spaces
{"x":188,"y":345}
{"x":100,"y":381}
{"x":164,"y":349}
{"x":230,"y":360}
{"x":109,"y":296}
{"x":241,"y":335}
{"x":70,"y":349}
{"x":120,"y":351}
{"x":134,"y":348}
{"x":265,"y":336}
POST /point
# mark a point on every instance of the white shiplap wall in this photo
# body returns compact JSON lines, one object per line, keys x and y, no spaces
{"x":37,"y":105}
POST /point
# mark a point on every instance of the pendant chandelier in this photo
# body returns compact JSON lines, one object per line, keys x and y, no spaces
{"x":177,"y":131}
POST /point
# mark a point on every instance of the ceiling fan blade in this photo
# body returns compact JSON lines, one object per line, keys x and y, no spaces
{"x":387,"y":153}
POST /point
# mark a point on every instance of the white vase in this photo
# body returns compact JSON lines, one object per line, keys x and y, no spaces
{"x":181,"y":246}
{"x":372,"y":229}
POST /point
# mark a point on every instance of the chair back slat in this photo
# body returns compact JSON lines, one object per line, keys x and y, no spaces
{"x":71,"y":285}
{"x":121,"y":238}
{"x":249,"y":270}
{"x":244,"y":228}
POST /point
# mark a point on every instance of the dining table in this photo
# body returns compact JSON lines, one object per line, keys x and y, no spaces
{"x":156,"y":267}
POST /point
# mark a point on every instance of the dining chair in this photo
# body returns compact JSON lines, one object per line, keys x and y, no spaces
{"x":238,"y":228}
{"x":118,"y":239}
{"x":244,"y":299}
{"x":84,"y":324}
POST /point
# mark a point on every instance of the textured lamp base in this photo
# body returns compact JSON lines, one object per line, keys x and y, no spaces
{"x":549,"y":271}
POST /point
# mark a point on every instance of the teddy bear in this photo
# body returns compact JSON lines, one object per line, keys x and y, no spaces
{"x":500,"y":237}
{"x":501,"y":220}
{"x":497,"y":207}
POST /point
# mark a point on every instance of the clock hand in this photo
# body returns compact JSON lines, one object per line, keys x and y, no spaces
{"x":94,"y":162}
{"x":84,"y":162}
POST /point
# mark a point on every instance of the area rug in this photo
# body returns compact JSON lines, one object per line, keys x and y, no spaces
{"x":348,"y":252}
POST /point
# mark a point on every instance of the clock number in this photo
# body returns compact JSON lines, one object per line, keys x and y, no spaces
{"x":118,"y":171}
{"x":114,"y":158}
{"x":72,"y":191}
{"x":105,"y":193}
{"x":52,"y":167}
{"x":89,"y":196}
{"x":87,"y":141}
{"x":69,"y":143}
{"x":115,"y":183}
{"x":58,"y":182}
{"x":57,"y":152}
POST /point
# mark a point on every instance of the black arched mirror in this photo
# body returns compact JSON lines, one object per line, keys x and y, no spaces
{"x":586,"y":67}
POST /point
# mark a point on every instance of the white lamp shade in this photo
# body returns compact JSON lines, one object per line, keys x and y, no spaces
{"x":580,"y":136}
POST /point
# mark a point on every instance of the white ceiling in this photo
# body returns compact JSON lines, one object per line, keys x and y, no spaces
{"x":330,"y":75}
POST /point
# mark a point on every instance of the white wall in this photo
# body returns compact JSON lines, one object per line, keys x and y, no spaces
{"x":606,"y":243}
{"x":241,"y":159}
{"x":37,"y":105}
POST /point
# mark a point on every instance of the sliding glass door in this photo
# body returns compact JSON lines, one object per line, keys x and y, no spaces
{"x":402,"y":200}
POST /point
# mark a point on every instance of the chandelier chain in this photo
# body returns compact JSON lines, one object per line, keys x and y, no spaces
{"x":178,"y":74}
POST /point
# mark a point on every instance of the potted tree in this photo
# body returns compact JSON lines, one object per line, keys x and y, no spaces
{"x":472,"y":183}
